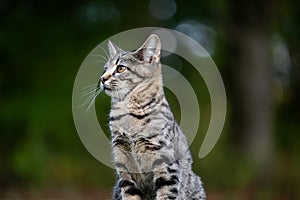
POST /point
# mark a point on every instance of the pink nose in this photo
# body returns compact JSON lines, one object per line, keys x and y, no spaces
{"x":103,"y":79}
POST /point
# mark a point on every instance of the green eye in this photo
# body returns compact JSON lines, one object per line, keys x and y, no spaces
{"x":121,"y":68}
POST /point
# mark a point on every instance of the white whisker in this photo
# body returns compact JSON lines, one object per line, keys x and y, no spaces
{"x":103,"y":50}
{"x":90,"y":89}
{"x":93,"y":100}
{"x":107,"y":55}
{"x":89,"y":86}
{"x":86,"y":101}
{"x":98,"y":61}
{"x":89,"y":92}
{"x":91,"y":103}
{"x":101,"y":56}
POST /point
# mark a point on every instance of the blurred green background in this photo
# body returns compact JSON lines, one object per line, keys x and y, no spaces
{"x":255,"y":44}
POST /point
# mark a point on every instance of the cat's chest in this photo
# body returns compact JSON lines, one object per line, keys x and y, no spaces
{"x":124,"y":120}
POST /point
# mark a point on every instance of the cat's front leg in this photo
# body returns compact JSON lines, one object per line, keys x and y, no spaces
{"x":126,"y":167}
{"x":128,"y":188}
{"x":166,"y":180}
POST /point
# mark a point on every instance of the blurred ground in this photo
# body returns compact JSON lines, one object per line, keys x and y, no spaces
{"x":56,"y":194}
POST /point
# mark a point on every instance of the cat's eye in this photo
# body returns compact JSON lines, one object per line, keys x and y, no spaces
{"x":121,"y":68}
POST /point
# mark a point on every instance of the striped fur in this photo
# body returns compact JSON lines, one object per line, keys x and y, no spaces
{"x":150,"y":151}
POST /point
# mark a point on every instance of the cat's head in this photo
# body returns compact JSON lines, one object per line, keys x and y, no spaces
{"x":125,"y":70}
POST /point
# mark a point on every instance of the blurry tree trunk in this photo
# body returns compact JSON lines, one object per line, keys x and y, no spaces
{"x":251,"y":72}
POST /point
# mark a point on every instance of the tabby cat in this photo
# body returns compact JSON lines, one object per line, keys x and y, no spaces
{"x":150,"y":152}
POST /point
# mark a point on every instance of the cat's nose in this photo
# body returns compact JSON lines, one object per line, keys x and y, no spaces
{"x":103,"y":79}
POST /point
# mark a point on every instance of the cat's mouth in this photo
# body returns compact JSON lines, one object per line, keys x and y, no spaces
{"x":106,"y":88}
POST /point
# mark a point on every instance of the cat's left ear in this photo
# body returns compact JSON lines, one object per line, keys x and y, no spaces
{"x":113,"y":49}
{"x":150,"y":50}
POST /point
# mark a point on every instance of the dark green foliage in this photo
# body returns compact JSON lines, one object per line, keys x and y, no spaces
{"x":42,"y":45}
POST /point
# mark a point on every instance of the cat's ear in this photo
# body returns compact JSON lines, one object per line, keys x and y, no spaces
{"x":113,"y":49}
{"x":150,"y":50}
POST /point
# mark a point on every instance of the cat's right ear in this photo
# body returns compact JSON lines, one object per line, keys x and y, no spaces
{"x":113,"y":49}
{"x":150,"y":50}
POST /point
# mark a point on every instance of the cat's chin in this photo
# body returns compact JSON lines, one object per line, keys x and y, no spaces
{"x":108,"y":91}
{"x":116,"y":95}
